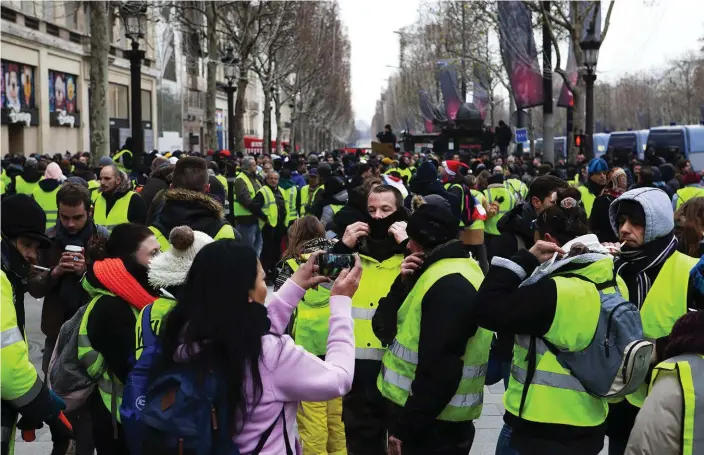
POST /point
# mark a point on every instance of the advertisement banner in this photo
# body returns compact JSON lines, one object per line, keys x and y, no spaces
{"x":519,"y":54}
{"x":426,"y":110}
{"x":447,"y":77}
{"x":18,"y":94}
{"x":63,"y":105}
{"x":481,"y":87}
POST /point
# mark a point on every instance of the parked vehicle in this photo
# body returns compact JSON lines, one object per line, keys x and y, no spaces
{"x":627,"y":144}
{"x":670,"y":142}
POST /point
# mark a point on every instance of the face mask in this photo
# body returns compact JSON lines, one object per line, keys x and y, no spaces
{"x":379,"y":229}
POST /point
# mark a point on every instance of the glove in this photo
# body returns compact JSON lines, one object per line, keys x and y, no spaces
{"x":58,"y":401}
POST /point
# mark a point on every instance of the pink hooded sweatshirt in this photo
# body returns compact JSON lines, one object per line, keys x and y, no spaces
{"x":290,"y":374}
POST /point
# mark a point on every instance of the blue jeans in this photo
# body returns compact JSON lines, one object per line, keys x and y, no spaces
{"x":503,"y":444}
{"x":252,"y":236}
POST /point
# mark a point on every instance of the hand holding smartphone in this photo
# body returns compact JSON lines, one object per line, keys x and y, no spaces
{"x":331,"y":265}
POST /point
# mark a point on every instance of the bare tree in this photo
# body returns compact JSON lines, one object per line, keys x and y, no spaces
{"x":100,"y":19}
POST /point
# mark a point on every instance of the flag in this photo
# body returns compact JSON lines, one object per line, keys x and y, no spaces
{"x":519,"y":54}
{"x":426,"y":110}
{"x":447,"y":76}
{"x":481,"y":86}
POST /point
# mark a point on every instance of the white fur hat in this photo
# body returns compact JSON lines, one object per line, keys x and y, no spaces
{"x":171,"y":268}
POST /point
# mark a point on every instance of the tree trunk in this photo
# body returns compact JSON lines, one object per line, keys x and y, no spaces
{"x":97,"y":101}
{"x":279,"y":124}
{"x":266,"y":134}
{"x":211,"y":93}
{"x":239,"y":110}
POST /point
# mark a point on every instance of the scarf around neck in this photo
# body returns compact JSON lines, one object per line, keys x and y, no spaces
{"x":113,"y":274}
{"x":639,"y":267}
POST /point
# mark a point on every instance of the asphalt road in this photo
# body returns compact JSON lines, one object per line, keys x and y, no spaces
{"x":488,"y":426}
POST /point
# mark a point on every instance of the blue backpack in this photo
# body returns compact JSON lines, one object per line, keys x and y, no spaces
{"x":135,"y":389}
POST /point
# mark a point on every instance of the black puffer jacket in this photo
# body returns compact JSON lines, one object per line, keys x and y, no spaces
{"x":158,"y":180}
{"x":426,"y":182}
{"x":515,"y":224}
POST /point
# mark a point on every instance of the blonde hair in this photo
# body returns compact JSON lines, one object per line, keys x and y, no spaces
{"x":301,"y":231}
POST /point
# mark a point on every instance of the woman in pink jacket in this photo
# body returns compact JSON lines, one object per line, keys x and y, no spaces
{"x":220,"y":320}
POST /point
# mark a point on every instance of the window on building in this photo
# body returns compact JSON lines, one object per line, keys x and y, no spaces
{"x":118,"y":101}
{"x":146,"y":105}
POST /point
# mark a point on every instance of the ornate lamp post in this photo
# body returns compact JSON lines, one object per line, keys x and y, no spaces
{"x":134,"y":19}
{"x":590,"y":46}
{"x":229,"y":63}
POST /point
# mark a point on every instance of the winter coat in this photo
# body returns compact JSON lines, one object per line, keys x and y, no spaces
{"x":290,"y":374}
{"x":339,"y":198}
{"x":243,"y":197}
{"x":426,"y":182}
{"x":599,"y":220}
{"x":503,"y":136}
{"x":137,"y":211}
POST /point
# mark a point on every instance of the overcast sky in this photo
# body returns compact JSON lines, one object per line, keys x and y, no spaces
{"x":643,"y":34}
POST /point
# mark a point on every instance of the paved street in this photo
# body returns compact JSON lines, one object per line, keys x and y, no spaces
{"x":488,"y":426}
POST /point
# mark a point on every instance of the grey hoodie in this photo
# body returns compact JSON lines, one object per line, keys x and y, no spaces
{"x":659,"y":217}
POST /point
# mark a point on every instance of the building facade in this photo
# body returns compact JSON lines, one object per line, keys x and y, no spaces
{"x":45,"y":49}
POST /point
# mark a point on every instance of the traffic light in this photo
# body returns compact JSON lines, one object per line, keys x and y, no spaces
{"x":579,"y":140}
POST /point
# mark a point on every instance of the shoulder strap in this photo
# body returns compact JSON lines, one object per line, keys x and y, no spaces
{"x":599,"y":286}
{"x":148,"y":336}
{"x":267,"y":433}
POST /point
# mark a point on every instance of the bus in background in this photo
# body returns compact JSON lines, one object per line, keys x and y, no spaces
{"x":624,"y":145}
{"x":600,"y":143}
{"x":559,"y":142}
{"x":669,"y":142}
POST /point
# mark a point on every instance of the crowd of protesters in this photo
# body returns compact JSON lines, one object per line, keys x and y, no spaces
{"x":469,"y":269}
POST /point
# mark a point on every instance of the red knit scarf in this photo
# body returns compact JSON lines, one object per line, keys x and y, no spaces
{"x":115,"y":277}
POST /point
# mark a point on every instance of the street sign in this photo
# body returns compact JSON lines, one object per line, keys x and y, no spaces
{"x":521,"y":135}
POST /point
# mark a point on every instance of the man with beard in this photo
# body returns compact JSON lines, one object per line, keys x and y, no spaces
{"x":117,"y":203}
{"x":23,"y":392}
{"x":186,"y":203}
{"x":60,"y":287}
{"x":658,"y":280}
{"x":596,"y":181}
{"x":380,"y":242}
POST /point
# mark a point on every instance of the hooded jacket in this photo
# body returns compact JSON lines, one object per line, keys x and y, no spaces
{"x":49,"y":185}
{"x":355,"y":210}
{"x":196,"y":210}
{"x":659,"y":218}
{"x":426,"y":182}
{"x":158,"y":180}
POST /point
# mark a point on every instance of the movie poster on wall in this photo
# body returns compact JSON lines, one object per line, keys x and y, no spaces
{"x":18,"y":97}
{"x":63,"y":106}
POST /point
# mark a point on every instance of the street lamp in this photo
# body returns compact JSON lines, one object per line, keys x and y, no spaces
{"x":590,"y":47}
{"x":134,"y":19}
{"x":229,"y":63}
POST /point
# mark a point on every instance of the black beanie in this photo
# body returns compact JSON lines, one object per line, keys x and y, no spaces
{"x":495,"y":178}
{"x":23,"y":216}
{"x":431,"y":225}
{"x":633,"y":210}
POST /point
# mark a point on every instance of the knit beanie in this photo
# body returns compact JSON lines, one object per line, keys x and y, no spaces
{"x":171,"y":268}
{"x":23,"y":216}
{"x":597,"y":165}
{"x":105,"y":161}
{"x":431,"y":225}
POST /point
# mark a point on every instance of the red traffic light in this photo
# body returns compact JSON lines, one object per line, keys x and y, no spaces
{"x":578,"y":140}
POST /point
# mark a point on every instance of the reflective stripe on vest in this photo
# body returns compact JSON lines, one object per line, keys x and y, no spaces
{"x":47,"y":201}
{"x":448,"y":187}
{"x":310,"y":328}
{"x":291,"y":209}
{"x":555,"y":396}
{"x":377,"y":278}
{"x":690,"y":374}
{"x":401,"y":358}
{"x":687,"y":193}
{"x":240,"y":210}
{"x":504,"y":207}
{"x":118,"y":212}
{"x":665,"y":303}
{"x":109,"y":386}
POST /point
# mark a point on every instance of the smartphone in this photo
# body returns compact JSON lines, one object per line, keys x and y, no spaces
{"x":330,"y":265}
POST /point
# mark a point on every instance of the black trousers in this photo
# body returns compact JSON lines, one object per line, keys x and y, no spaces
{"x":103,"y":430}
{"x":271,"y":249}
{"x":364,"y":412}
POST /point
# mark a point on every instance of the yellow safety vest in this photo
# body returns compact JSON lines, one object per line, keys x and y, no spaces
{"x":687,"y":193}
{"x":377,"y":278}
{"x":223,"y":181}
{"x":291,"y":210}
{"x":4,"y":178}
{"x":19,"y":380}
{"x":94,"y":187}
{"x":448,"y":187}
{"x":478,"y":224}
{"x":109,"y":386}
{"x":401,"y":358}
{"x":665,"y":303}
{"x":118,"y":163}
{"x":504,"y":207}
{"x":554,"y":395}
{"x":310,"y":327}
{"x":690,"y":374}
{"x":520,"y":189}
{"x":118,"y":213}
{"x":240,"y":210}
{"x":270,"y":209}
{"x":47,"y":201}
{"x":307,"y":197}
{"x":587,"y":199}
{"x":24,"y":187}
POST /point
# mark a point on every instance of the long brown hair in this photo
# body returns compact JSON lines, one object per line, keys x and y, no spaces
{"x":689,"y":220}
{"x":301,"y":231}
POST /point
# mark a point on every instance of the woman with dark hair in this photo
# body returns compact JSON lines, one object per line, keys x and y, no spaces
{"x":550,"y":293}
{"x":616,"y":185}
{"x":220,"y":321}
{"x":689,"y":227}
{"x":119,"y":289}
{"x":669,"y":423}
